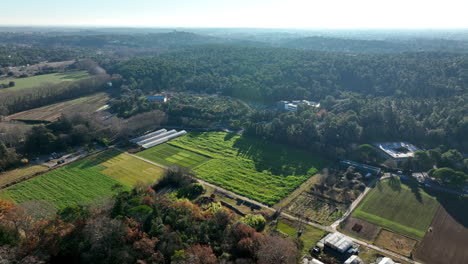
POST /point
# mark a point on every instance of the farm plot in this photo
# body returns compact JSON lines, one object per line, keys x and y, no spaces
{"x":395,"y":206}
{"x":447,"y":240}
{"x":52,"y":112}
{"x":259,"y":170}
{"x":168,"y":155}
{"x":38,"y":80}
{"x":361,"y":229}
{"x":310,"y":235}
{"x":396,"y":243}
{"x":315,"y":208}
{"x":97,"y":176}
{"x":18,"y":174}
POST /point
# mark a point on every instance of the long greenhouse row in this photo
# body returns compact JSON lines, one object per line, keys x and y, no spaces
{"x":158,"y":137}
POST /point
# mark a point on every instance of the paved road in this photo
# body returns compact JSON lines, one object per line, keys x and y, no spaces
{"x":331,"y":228}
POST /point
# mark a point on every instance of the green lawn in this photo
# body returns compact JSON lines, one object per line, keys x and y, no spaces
{"x":257,"y":169}
{"x":168,"y":155}
{"x":85,"y":180}
{"x":53,"y":78}
{"x":393,"y":205}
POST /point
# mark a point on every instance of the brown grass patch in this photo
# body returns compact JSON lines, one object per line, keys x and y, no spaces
{"x":396,"y":243}
{"x":361,"y":229}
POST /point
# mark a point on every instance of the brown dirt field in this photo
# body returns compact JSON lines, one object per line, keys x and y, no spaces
{"x":447,"y":243}
{"x":368,"y":232}
{"x":396,"y":243}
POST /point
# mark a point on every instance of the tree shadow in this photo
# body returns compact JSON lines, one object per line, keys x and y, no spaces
{"x":229,"y":136}
{"x":276,"y":158}
{"x":94,"y":160}
{"x":394,"y":184}
{"x":455,"y":205}
{"x":414,"y":186}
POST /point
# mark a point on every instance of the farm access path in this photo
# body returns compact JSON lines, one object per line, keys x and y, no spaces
{"x":329,"y":229}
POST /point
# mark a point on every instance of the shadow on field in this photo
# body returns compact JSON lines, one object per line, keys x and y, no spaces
{"x":278,"y":159}
{"x":395,"y":184}
{"x":455,"y":205}
{"x":94,"y":160}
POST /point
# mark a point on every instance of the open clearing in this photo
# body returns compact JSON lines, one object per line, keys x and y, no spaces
{"x":397,"y":207}
{"x":83,"y":181}
{"x":256,"y":169}
{"x":310,"y":235}
{"x":168,"y":155}
{"x":53,"y":78}
{"x":52,"y":112}
{"x":448,"y":240}
{"x":17,"y":174}
{"x":396,"y":243}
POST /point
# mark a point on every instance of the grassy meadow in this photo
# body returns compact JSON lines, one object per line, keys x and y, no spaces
{"x":52,"y":78}
{"x":85,"y":180}
{"x":397,"y":207}
{"x":260,"y":170}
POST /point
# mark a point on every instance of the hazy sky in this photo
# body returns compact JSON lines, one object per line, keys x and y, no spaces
{"x":239,"y":13}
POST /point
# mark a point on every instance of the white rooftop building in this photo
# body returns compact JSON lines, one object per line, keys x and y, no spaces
{"x":386,"y":261}
{"x":338,"y":241}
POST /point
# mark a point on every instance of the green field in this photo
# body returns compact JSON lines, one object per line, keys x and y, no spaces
{"x":256,"y":169}
{"x":85,"y":180}
{"x":168,"y":155}
{"x":393,"y":205}
{"x":53,"y":78}
{"x":310,"y":235}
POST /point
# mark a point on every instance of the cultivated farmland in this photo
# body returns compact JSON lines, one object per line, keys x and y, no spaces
{"x":168,"y":155}
{"x":448,"y":239}
{"x":38,"y":80}
{"x":54,"y":111}
{"x":85,"y":180}
{"x":18,"y":174}
{"x":259,"y":170}
{"x":395,"y":206}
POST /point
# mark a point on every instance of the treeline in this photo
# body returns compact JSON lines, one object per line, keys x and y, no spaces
{"x":187,"y":110}
{"x":137,"y":227}
{"x":269,"y":75}
{"x":17,"y":55}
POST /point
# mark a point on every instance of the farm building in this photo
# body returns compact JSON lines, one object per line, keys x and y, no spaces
{"x":397,"y":151}
{"x":157,"y":137}
{"x":354,"y":259}
{"x":338,"y":242}
{"x":363,"y":168}
{"x":312,"y":261}
{"x":157,"y":98}
{"x":386,"y":261}
{"x":292,"y":105}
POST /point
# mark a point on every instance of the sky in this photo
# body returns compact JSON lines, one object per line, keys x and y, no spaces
{"x":395,"y":14}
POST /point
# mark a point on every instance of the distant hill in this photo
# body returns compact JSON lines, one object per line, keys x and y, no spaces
{"x":86,"y":39}
{"x":356,"y":45}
